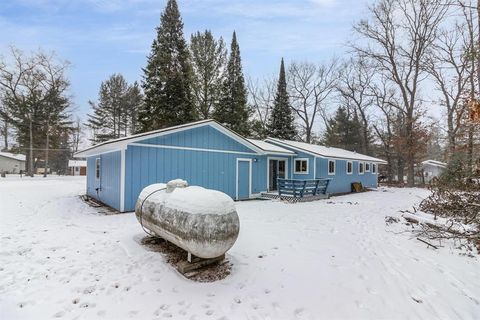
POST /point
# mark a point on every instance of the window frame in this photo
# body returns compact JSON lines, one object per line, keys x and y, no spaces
{"x":351,"y":167}
{"x":369,"y":165}
{"x":295,"y":166}
{"x":334,"y":167}
{"x":374,"y":168}
{"x":98,"y":165}
{"x":362,"y":165}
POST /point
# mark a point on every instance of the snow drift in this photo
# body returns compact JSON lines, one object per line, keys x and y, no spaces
{"x":201,"y":221}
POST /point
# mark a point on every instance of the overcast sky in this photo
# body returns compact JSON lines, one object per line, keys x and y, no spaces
{"x":102,"y":37}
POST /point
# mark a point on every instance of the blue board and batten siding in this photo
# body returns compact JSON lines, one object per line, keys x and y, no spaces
{"x":147,"y":165}
{"x":206,"y":155}
{"x":107,"y":187}
{"x":341,"y":181}
{"x":203,"y":156}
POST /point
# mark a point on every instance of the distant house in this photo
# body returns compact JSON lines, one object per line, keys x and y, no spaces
{"x":77,"y":167}
{"x":207,"y":154}
{"x":12,"y":163}
{"x":432,"y":169}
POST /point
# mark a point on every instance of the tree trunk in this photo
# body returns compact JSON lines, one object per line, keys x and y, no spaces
{"x":30,"y":162}
{"x":400,"y":171}
{"x":5,"y":133}
{"x":47,"y":147}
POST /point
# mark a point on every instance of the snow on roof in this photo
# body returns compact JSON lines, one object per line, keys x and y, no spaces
{"x":77,"y":163}
{"x":323,"y":151}
{"x":19,"y":157}
{"x":269,"y":147}
{"x":435,"y":163}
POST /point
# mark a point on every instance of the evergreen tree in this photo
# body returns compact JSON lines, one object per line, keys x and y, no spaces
{"x":281,"y":123}
{"x":233,"y":111}
{"x":167,"y":77}
{"x":208,"y":61}
{"x":134,"y":103}
{"x":115,"y":114}
{"x":343,"y":131}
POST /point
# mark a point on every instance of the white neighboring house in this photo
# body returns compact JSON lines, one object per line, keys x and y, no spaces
{"x":77,"y":167}
{"x":12,"y":163}
{"x":432,"y":169}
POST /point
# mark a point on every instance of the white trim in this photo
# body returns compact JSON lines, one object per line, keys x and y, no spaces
{"x":314,"y":167}
{"x":98,"y":168}
{"x":250,"y":179}
{"x":161,"y":146}
{"x":122,"y":181}
{"x":268,"y":169}
{"x":374,"y":165}
{"x":334,"y":167}
{"x":369,"y":165}
{"x":363,"y":166}
{"x":295,"y":166}
{"x":101,"y":153}
{"x":346,"y":166}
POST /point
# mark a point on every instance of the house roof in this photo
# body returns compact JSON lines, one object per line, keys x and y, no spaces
{"x":77,"y":163}
{"x":435,"y":163}
{"x":270,"y":148}
{"x":323,"y":151}
{"x":19,"y":157}
{"x":121,"y":143}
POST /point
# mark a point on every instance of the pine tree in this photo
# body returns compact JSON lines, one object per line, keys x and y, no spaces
{"x":233,"y":111}
{"x":208,"y":61}
{"x":115,"y":114}
{"x":343,"y":131}
{"x":167,"y":77}
{"x":281,"y":123}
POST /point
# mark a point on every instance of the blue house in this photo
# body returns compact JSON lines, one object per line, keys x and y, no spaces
{"x":207,"y":154}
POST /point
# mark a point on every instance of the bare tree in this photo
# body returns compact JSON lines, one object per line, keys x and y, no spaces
{"x":4,"y":125}
{"x":396,"y":39}
{"x":19,"y":82}
{"x":354,"y":88}
{"x":55,"y":85}
{"x":77,"y":134}
{"x":471,"y":13}
{"x":310,"y":86}
{"x":261,"y":99}
{"x":385,"y":99}
{"x":449,"y":66}
{"x":34,"y":89}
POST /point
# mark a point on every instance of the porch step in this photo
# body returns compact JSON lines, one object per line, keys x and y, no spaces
{"x":287,"y":198}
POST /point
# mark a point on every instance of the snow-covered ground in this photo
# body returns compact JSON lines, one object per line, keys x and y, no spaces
{"x":321,"y":260}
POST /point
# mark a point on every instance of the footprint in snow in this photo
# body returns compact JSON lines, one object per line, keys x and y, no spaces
{"x":87,"y":305}
{"x":59,"y":314}
{"x":300,"y":313}
{"x":209,"y":312}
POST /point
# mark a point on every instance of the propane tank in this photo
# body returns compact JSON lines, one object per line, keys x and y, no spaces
{"x":201,"y":221}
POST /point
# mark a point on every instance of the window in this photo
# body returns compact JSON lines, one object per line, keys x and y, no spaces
{"x":97,"y":168}
{"x":349,"y":167}
{"x":301,"y":166}
{"x":360,"y":167}
{"x":374,"y":168}
{"x":77,"y":169}
{"x":367,"y":167}
{"x":331,"y":167}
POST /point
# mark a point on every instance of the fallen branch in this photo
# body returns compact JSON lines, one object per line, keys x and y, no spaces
{"x":428,"y":244}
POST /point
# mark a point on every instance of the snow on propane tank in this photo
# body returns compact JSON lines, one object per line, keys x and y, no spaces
{"x":201,"y":221}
